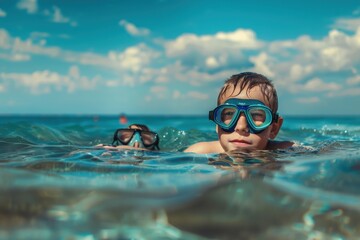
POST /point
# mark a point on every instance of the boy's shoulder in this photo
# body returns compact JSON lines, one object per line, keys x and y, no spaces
{"x":205,"y":147}
{"x":273,"y":145}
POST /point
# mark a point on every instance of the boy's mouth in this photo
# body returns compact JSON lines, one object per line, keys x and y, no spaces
{"x":240,"y":143}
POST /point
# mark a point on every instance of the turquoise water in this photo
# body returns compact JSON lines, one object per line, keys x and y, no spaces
{"x":54,"y":184}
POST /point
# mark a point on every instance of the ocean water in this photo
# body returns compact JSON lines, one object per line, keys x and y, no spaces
{"x":55,"y":184}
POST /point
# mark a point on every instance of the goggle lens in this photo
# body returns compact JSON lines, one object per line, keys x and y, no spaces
{"x":226,"y":115}
{"x":148,"y":138}
{"x":259,"y":117}
{"x":125,"y":135}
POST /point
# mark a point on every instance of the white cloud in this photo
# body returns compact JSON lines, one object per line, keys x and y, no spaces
{"x":159,"y":91}
{"x":74,"y":72}
{"x":39,"y":35}
{"x":57,"y":16}
{"x":198,"y":95}
{"x":28,"y":46}
{"x":176,"y":94}
{"x":212,"y":51}
{"x":315,"y":85}
{"x":15,"y":57}
{"x":245,"y":37}
{"x":4,"y":39}
{"x":8,"y":43}
{"x":134,"y":30}
{"x":86,"y":58}
{"x":112,"y":83}
{"x":133,"y":58}
{"x":43,"y":82}
{"x":20,"y":49}
{"x":2,"y":88}
{"x":2,"y":13}
{"x":161,"y":76}
{"x":298,"y":71}
{"x":38,"y":82}
{"x":260,"y":64}
{"x":308,"y":100}
{"x":202,"y":59}
{"x":351,"y":24}
{"x":294,"y":61}
{"x":192,"y":76}
{"x":345,"y":92}
{"x":133,"y":64}
{"x":353,"y":80}
{"x":212,"y":62}
{"x":29,"y":5}
{"x":333,"y":57}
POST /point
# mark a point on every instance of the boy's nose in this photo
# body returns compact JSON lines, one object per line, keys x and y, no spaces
{"x":136,"y":145}
{"x":241,"y":125}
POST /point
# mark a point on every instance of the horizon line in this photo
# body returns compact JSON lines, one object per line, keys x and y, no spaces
{"x":157,"y":114}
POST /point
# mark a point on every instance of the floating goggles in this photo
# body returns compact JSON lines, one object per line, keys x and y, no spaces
{"x":146,"y":139}
{"x":258,"y":115}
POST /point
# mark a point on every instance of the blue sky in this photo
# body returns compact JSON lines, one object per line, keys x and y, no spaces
{"x":172,"y":56}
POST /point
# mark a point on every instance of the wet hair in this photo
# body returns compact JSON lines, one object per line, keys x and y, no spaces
{"x":141,"y":126}
{"x":250,"y":80}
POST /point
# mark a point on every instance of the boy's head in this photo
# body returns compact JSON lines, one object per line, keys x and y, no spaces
{"x":247,"y":81}
{"x":139,"y":126}
{"x":248,"y":103}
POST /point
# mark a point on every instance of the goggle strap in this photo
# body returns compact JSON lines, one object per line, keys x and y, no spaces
{"x":156,"y":146}
{"x":156,"y":143}
{"x":211,"y":115}
{"x":115,"y":139}
{"x":275,"y":117}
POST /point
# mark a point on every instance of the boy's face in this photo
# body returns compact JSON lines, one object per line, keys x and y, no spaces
{"x":241,"y":138}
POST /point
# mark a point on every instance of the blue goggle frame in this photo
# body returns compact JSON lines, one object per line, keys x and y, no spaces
{"x":245,"y":106}
{"x":136,"y":136}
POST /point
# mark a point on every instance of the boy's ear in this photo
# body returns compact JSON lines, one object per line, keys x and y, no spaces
{"x":217,"y":128}
{"x":275,"y":128}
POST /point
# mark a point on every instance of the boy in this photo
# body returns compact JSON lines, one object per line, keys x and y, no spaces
{"x":136,"y":136}
{"x":246,"y":116}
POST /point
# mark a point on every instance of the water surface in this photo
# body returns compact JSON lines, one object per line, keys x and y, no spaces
{"x":54,"y":184}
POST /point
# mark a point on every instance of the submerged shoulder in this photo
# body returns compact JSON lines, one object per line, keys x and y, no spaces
{"x":205,"y":147}
{"x":273,"y":145}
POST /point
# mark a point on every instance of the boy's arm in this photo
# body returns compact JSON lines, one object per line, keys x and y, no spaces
{"x":120,"y":146}
{"x":205,"y":147}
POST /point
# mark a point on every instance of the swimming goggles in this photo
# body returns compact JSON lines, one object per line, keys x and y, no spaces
{"x":258,"y":115}
{"x":145,"y":139}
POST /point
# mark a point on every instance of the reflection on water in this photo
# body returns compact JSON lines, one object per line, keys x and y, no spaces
{"x":55,"y":185}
